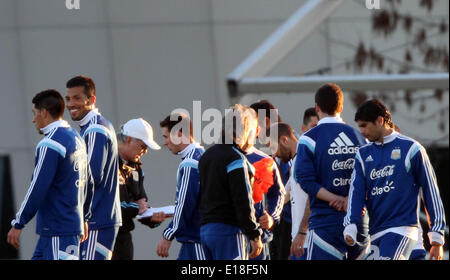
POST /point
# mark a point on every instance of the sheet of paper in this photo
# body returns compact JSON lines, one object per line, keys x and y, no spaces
{"x":168,"y":210}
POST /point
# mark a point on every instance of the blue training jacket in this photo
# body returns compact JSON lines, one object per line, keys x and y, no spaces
{"x":284,"y":169}
{"x":58,"y":184}
{"x":275,"y":194}
{"x":325,"y":158}
{"x":387,"y":179}
{"x":101,"y":143}
{"x":185,"y":225}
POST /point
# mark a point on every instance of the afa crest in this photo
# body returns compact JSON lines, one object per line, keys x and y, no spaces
{"x":396,"y":154}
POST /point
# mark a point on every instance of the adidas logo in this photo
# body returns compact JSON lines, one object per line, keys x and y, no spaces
{"x":369,"y":158}
{"x":342,"y":145}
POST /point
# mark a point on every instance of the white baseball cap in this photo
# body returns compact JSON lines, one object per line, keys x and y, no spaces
{"x":142,"y":130}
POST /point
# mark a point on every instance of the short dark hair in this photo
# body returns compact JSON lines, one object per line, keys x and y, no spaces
{"x":50,"y":100}
{"x":309,"y":113}
{"x":285,"y":130}
{"x":167,"y":122}
{"x":266,"y":106}
{"x":82,"y":81}
{"x":370,"y":110}
{"x":330,"y":99}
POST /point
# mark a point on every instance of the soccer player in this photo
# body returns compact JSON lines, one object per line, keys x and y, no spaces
{"x":185,"y":225}
{"x":268,"y":189}
{"x":100,"y":138}
{"x":310,"y":119}
{"x":279,"y":246}
{"x":323,"y":167}
{"x":389,"y":173}
{"x":57,"y":187}
{"x":226,"y":204}
{"x":285,"y":149}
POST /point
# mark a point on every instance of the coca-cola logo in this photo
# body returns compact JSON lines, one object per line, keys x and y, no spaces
{"x":345,"y":164}
{"x":384,"y":172}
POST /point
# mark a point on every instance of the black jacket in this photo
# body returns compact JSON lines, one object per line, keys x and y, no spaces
{"x":226,"y":179}
{"x":131,"y":185}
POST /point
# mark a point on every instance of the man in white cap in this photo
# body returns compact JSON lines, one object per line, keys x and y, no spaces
{"x":135,"y":137}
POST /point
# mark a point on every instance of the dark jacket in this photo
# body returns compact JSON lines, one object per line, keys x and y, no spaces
{"x":131,"y":185}
{"x":226,"y":179}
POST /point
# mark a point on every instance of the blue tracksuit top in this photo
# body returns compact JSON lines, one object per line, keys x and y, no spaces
{"x":284,"y":169}
{"x":325,"y":158}
{"x":275,"y":194}
{"x":387,"y":179}
{"x":58,"y":183}
{"x":101,"y":144}
{"x":185,"y":225}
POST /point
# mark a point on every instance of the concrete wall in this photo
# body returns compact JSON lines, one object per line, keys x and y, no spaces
{"x":147,"y":58}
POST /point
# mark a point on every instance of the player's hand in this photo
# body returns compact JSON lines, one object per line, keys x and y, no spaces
{"x":158,"y":217}
{"x":142,"y":203}
{"x":339,"y":203}
{"x":13,"y":237}
{"x":86,"y":233}
{"x":256,"y":247}
{"x":266,"y":221}
{"x":163,"y":248}
{"x":297,"y":248}
{"x":349,"y":240}
{"x":436,"y":252}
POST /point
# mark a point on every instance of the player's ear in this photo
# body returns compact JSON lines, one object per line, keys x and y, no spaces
{"x":303,"y":128}
{"x":380,"y":120}
{"x":317,"y":108}
{"x":44,"y":113}
{"x":91,"y":100}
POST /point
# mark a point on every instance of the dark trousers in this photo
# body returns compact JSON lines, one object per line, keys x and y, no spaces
{"x":123,"y":249}
{"x":280,"y":246}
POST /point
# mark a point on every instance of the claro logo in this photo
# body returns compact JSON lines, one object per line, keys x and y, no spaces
{"x":381,"y":190}
{"x":341,"y":182}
